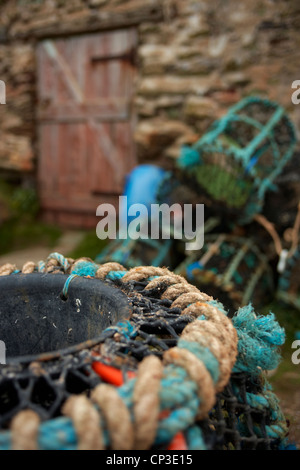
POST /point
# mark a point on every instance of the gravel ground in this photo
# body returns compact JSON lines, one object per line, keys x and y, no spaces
{"x":290,"y":405}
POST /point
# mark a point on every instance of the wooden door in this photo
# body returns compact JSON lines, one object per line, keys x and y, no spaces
{"x":85,"y":120}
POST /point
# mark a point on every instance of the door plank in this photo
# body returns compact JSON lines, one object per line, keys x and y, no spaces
{"x":65,"y":70}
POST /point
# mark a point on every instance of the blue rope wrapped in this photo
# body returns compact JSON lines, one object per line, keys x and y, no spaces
{"x":62,"y":261}
{"x":259,"y":339}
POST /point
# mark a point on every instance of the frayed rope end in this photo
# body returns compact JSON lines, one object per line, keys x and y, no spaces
{"x":259,"y":339}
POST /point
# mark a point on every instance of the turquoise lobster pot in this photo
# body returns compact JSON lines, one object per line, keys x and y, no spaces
{"x":231,"y":269}
{"x":235,"y":163}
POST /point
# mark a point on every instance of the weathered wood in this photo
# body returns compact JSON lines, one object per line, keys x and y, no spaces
{"x":85,"y":121}
{"x":110,"y":109}
{"x":78,"y":205}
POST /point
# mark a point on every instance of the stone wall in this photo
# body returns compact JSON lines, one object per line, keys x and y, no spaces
{"x":212,"y":54}
{"x":17,"y":124}
{"x":195,"y":59}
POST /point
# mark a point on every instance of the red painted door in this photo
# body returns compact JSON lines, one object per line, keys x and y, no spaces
{"x":86,"y":148}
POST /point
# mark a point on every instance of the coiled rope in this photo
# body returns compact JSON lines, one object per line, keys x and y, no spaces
{"x":165,"y":397}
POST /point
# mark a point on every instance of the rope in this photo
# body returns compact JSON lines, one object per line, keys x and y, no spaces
{"x":28,"y":267}
{"x":209,"y":336}
{"x":119,"y":425}
{"x":141,"y":273}
{"x":294,"y":233}
{"x":64,"y":293}
{"x":7,"y":269}
{"x":198,"y":373}
{"x":291,"y":236}
{"x":269,"y":227}
{"x":146,"y":402}
{"x":24,"y":429}
{"x":105,"y":269}
{"x":86,"y":422}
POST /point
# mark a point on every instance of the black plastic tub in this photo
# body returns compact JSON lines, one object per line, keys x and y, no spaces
{"x":37,"y":322}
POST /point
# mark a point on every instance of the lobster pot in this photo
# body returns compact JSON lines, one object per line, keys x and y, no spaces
{"x":76,"y":333}
{"x":230,"y":269}
{"x":234,"y":164}
{"x":131,"y":253}
{"x":288,"y":290}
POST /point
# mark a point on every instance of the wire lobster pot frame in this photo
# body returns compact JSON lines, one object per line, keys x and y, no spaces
{"x":231,"y":269}
{"x":143,"y":251}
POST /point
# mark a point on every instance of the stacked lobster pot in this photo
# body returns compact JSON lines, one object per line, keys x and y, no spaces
{"x":234,"y":167}
{"x":235,"y":170}
{"x":232,"y":269}
{"x":162,"y":349}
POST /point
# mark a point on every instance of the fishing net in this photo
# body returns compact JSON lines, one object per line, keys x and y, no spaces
{"x":154,"y":325}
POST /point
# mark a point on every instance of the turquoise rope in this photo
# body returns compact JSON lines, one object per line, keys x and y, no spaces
{"x":259,"y":339}
{"x":265,"y":401}
{"x":67,"y":284}
{"x":195,"y":440}
{"x":85,"y":268}
{"x":114,"y":275}
{"x":41,"y":266}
